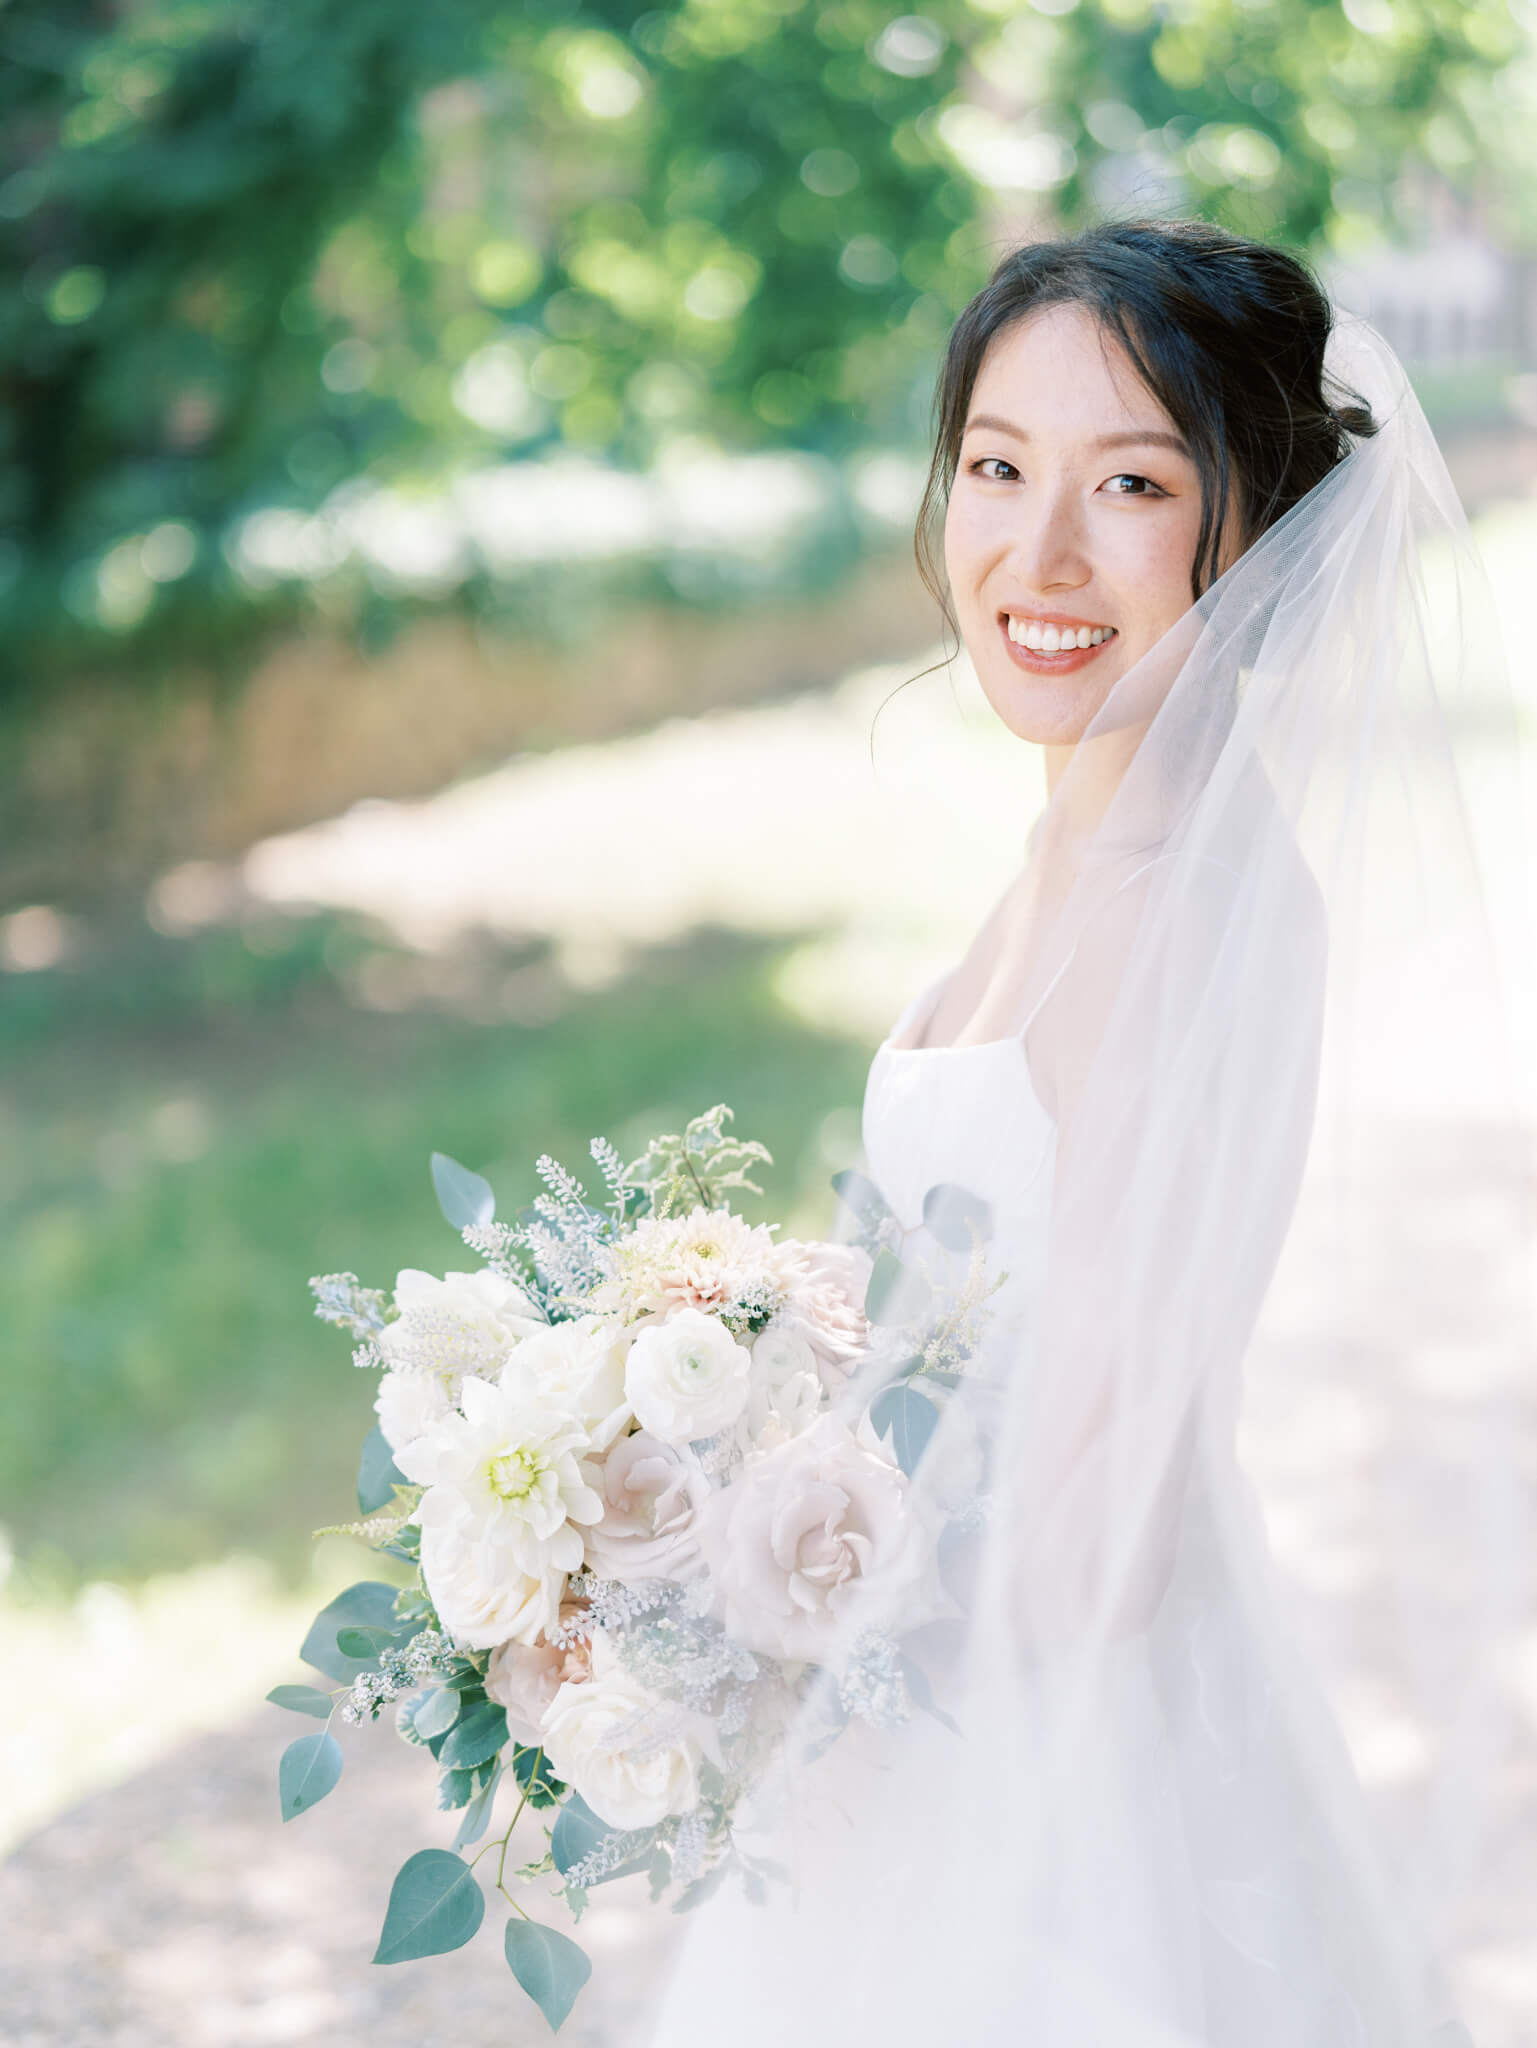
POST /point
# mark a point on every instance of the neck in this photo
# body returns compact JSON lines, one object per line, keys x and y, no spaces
{"x":1098,"y":766}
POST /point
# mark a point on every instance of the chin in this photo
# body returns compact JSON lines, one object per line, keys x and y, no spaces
{"x":1048,"y":714}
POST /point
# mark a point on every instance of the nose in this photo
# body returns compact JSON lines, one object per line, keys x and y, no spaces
{"x":1048,"y":547}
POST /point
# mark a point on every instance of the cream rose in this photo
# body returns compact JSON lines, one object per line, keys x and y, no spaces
{"x":578,"y":1367}
{"x":524,"y":1678}
{"x":652,"y":1492}
{"x":825,"y":1287}
{"x":481,"y":1594}
{"x":686,"y":1378}
{"x":633,"y":1757}
{"x":802,"y":1532}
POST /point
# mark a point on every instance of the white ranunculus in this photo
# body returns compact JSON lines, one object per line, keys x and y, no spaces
{"x":652,"y":1492}
{"x":633,"y":1757}
{"x":579,"y":1367}
{"x":687,"y":1378}
{"x":508,"y":1486}
{"x":784,"y":1396}
{"x":804,"y":1530}
{"x":408,"y":1404}
{"x":482,"y":1596}
{"x":465,"y":1323}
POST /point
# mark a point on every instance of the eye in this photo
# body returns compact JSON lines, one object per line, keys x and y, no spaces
{"x":1129,"y":485}
{"x":986,"y":465}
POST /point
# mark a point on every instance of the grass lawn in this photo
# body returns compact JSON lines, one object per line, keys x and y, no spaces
{"x":190,"y":1128}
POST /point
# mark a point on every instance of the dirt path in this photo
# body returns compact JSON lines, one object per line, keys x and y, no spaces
{"x":177,"y":1911}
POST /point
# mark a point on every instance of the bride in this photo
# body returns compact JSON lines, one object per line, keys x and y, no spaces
{"x":1197,"y":540}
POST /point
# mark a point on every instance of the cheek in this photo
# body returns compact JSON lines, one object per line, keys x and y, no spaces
{"x":1150,"y":567}
{"x":970,"y":539}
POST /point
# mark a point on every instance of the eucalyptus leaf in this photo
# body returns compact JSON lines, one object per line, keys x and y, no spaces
{"x":957,"y":1218}
{"x":477,"y":1814}
{"x":896,"y":1293}
{"x":885,"y":1279}
{"x":916,"y":1679}
{"x":437,"y":1713}
{"x":862,"y":1198}
{"x":464,"y":1197}
{"x":577,"y":1832}
{"x":479,"y":1733}
{"x":908,"y":1418}
{"x":435,"y":1905}
{"x":307,"y":1771}
{"x":378,"y":1474}
{"x":302,"y":1699}
{"x":370,"y":1604}
{"x":368,"y":1643}
{"x":549,"y":1966}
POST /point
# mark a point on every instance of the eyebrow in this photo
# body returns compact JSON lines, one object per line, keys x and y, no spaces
{"x":1140,"y":437}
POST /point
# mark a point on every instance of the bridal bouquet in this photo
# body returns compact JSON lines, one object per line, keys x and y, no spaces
{"x":640,"y":1462}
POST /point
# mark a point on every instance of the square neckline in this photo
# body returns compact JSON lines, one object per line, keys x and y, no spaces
{"x":923,"y":1006}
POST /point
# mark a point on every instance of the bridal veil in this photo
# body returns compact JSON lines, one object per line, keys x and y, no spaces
{"x":1216,"y":1722}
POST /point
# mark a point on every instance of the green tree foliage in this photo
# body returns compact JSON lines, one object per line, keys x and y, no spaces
{"x":252,"y":252}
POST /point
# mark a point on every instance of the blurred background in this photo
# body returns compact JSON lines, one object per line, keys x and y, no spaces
{"x":457,"y":471}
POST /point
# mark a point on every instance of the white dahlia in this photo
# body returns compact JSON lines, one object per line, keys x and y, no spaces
{"x":509,"y":1491}
{"x":708,"y":1260}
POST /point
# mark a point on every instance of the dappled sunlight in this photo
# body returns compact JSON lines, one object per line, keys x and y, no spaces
{"x":134,"y":1672}
{"x":883,"y":818}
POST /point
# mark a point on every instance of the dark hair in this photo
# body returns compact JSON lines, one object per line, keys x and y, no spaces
{"x":1226,"y":333}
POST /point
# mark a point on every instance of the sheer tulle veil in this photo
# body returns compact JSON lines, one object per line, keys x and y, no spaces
{"x":1230,"y":1575}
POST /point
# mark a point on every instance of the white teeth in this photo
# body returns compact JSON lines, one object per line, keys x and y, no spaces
{"x":1052,"y":639}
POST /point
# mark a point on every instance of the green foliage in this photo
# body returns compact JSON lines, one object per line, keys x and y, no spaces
{"x":537,"y":1782}
{"x":865,"y":1203}
{"x":549,"y":1966}
{"x":302,"y":1699}
{"x":437,"y":1713}
{"x":477,"y":1814}
{"x":307,"y":1771}
{"x":165,"y":1396}
{"x":378,"y":1474}
{"x":465,"y":1198}
{"x":955,"y":1218}
{"x":253,"y":253}
{"x":697,"y":1166}
{"x":577,"y":1833}
{"x":908,"y":1419}
{"x":896,"y":1293}
{"x":435,"y":1905}
{"x":476,"y":1738}
{"x":368,"y":1605}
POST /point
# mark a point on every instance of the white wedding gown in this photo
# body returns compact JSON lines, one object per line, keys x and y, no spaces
{"x":1214,"y":1888}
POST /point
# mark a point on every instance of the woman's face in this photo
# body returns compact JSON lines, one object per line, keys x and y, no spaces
{"x":1072,"y":523}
